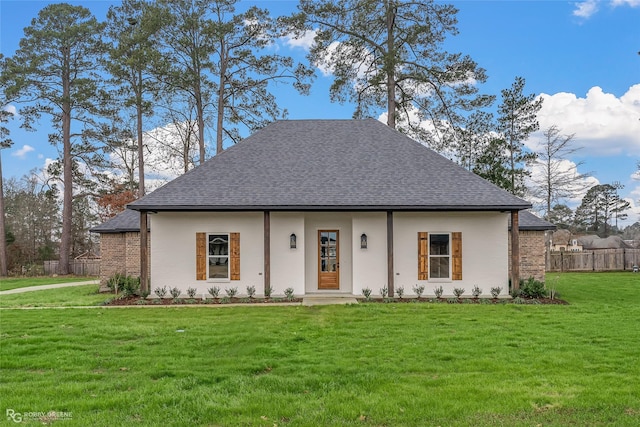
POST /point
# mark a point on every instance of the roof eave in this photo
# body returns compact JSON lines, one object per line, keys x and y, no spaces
{"x":407,"y":208}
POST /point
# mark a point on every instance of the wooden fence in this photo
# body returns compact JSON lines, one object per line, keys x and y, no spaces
{"x":594,"y":260}
{"x":79,"y":267}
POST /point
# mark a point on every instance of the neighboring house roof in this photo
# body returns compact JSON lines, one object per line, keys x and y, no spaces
{"x":329,"y":165}
{"x":123,"y":222}
{"x":530,"y":221}
{"x":596,"y":242}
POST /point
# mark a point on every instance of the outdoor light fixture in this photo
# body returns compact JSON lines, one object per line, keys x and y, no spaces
{"x":363,"y":241}
{"x":292,"y":241}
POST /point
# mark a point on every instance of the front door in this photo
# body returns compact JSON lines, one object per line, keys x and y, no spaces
{"x":328,"y":259}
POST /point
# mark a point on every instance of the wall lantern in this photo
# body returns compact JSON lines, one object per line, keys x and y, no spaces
{"x":292,"y":241}
{"x":363,"y":241}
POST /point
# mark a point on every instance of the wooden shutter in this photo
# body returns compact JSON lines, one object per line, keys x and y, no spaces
{"x":201,"y":256}
{"x":423,"y":255}
{"x":456,"y":255}
{"x":234,"y":255}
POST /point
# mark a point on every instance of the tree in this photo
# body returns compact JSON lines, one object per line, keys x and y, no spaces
{"x":54,"y":72}
{"x":557,"y":179}
{"x":245,"y":71}
{"x":187,"y":44}
{"x":389,"y":56}
{"x":492,"y":164}
{"x":517,"y":119}
{"x":598,"y":206}
{"x":5,"y":142}
{"x":132,"y":27}
{"x":561,"y":216}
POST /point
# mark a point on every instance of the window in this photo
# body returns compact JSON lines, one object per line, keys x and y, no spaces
{"x":439,"y":256}
{"x":218,"y":256}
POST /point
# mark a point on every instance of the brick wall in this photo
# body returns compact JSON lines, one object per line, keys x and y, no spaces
{"x":532,"y":254}
{"x":120,"y":254}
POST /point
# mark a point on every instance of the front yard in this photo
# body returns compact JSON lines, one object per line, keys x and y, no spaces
{"x":367,"y":364}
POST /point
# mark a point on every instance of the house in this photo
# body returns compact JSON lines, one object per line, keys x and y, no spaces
{"x":532,"y":245}
{"x":329,"y":206}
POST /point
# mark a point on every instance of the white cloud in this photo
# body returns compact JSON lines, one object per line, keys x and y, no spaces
{"x":11,"y":109}
{"x":632,"y":3}
{"x":604,"y":125}
{"x":305,"y":41}
{"x":22,"y":152}
{"x":585,"y":9}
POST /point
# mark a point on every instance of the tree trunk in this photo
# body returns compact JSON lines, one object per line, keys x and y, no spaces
{"x":3,"y":238}
{"x":391,"y":81}
{"x":67,"y":165}
{"x":200,"y":113}
{"x":141,"y":191}
{"x":221,"y":88}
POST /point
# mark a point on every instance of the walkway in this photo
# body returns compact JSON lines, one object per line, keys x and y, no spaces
{"x":44,"y":287}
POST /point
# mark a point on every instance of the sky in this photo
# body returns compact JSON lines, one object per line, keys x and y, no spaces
{"x":582,"y":57}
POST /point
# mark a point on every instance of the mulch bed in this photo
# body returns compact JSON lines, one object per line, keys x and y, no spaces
{"x":134,"y":300}
{"x":453,"y":300}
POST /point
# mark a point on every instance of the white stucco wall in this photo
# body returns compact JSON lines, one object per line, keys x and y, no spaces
{"x":287,"y":265}
{"x":370,"y":265}
{"x":173,"y":249}
{"x":484,"y":249}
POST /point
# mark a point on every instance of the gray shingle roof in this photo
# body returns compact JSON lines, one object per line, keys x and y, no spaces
{"x":329,"y":164}
{"x":126,"y":220}
{"x":529,"y":221}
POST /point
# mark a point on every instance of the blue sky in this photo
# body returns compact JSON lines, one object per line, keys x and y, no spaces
{"x":582,"y":57}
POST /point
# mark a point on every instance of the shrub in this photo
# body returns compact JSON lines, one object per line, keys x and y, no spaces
{"x":144,"y":294}
{"x":496,"y":291}
{"x":231,"y":292}
{"x":175,"y":292}
{"x":458,"y":292}
{"x":438,"y":291}
{"x":267,"y":291}
{"x":400,"y":291}
{"x":251,"y":291}
{"x":131,"y":286}
{"x":419,"y":290}
{"x":191,"y":292}
{"x":532,"y":288}
{"x":115,"y":282}
{"x":289,"y":293}
{"x":384,"y":291}
{"x":160,"y":292}
{"x":367,"y":293}
{"x":214,"y":291}
{"x":476,"y":291}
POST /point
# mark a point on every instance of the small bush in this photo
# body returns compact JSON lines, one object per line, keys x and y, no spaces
{"x":225,"y":300}
{"x":131,"y":286}
{"x":214,"y":291}
{"x":160,"y":292}
{"x":400,"y":291}
{"x":115,"y":282}
{"x":175,"y":292}
{"x":438,"y":291}
{"x":384,"y":291}
{"x":419,"y":290}
{"x":191,"y":292}
{"x":476,"y":291}
{"x":251,"y":291}
{"x":267,"y":291}
{"x":496,"y":291}
{"x":231,"y":292}
{"x":458,"y":292}
{"x":289,"y":294}
{"x":367,"y":293}
{"x":452,"y":300}
{"x":532,"y":288}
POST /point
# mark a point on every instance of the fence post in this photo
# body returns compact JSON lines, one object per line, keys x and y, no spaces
{"x":624,"y":259}
{"x":561,"y":263}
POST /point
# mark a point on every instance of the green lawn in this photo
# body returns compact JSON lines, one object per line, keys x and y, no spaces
{"x":367,"y":364}
{"x":84,"y":295}
{"x":23,"y":282}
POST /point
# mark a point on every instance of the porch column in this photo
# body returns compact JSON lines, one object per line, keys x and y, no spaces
{"x":144,"y":255}
{"x":390,"y":274}
{"x":267,"y":250}
{"x":515,"y":251}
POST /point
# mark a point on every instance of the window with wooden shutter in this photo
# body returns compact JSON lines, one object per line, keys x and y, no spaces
{"x":456,"y":255}
{"x":201,"y":256}
{"x":423,"y":255}
{"x":234,"y":251}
